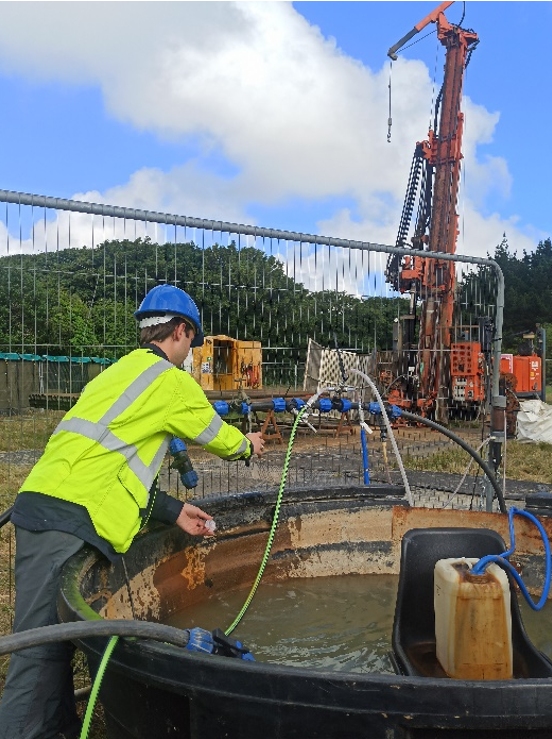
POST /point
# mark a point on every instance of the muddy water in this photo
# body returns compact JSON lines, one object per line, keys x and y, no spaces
{"x":327,"y":623}
{"x":538,"y":625}
{"x":334,"y":623}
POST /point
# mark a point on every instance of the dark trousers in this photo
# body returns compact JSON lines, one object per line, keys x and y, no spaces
{"x":38,"y":701}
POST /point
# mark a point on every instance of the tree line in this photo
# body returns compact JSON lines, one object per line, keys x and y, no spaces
{"x":82,"y":300}
{"x":527,"y":290}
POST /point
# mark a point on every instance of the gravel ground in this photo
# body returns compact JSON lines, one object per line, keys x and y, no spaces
{"x":324,"y":459}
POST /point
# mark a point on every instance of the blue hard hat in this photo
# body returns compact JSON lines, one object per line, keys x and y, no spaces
{"x":169,"y":300}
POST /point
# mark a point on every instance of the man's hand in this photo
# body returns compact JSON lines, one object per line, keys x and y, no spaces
{"x":256,"y":438}
{"x":192,"y":520}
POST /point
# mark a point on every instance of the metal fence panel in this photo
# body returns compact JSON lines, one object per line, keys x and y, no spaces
{"x":73,"y":273}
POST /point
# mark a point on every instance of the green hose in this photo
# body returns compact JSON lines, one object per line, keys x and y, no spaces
{"x":268,"y":547}
{"x":113,"y":641}
{"x":96,"y":686}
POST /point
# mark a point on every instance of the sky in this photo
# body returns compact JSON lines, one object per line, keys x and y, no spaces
{"x":275,"y":114}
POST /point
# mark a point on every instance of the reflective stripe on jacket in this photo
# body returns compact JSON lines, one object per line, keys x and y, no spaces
{"x":107,"y":451}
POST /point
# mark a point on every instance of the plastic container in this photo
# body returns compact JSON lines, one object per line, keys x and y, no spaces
{"x":473,"y":621}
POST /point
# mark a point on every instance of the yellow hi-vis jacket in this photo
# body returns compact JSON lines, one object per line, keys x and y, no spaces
{"x":107,"y":451}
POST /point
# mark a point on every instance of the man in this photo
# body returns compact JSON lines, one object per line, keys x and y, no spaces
{"x":96,"y":483}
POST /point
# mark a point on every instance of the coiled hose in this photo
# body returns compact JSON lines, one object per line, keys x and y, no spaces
{"x":480,"y":566}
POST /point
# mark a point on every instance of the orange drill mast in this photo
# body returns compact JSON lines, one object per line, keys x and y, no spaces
{"x":432,"y":282}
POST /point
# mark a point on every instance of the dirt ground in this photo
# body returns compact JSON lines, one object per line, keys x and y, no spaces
{"x":324,"y":457}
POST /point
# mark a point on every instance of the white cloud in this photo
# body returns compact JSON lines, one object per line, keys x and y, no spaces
{"x":353,"y":271}
{"x":289,"y":110}
{"x":480,"y":235}
{"x":188,"y":190}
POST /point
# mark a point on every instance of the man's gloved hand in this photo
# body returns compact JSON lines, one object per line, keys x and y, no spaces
{"x":200,"y":640}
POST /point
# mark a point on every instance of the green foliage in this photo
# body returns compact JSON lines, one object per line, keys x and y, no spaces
{"x":523,"y":461}
{"x":527,"y":291}
{"x":82,"y":300}
{"x":528,"y":287}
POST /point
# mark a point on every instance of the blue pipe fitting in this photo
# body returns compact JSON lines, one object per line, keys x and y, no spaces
{"x":297,"y":404}
{"x":342,"y":404}
{"x":221,"y":407}
{"x":279,"y":404}
{"x":393,"y":411}
{"x":245,"y":408}
{"x":183,"y":463}
{"x":177,"y":445}
{"x":325,"y":405}
{"x":200,"y":640}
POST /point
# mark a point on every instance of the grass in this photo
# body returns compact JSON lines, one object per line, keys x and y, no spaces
{"x":11,"y":477}
{"x":27,"y":432}
{"x":530,"y":462}
{"x":524,"y":461}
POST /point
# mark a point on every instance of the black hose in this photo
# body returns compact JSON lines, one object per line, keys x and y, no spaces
{"x":480,"y":461}
{"x":84,"y":629}
{"x":5,"y":517}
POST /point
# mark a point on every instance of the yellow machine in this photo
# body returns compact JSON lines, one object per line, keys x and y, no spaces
{"x":223,"y":364}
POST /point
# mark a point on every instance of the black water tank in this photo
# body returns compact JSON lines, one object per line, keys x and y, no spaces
{"x":157,"y":691}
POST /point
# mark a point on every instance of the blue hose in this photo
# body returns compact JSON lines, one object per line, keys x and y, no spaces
{"x":365,"y":459}
{"x":479,"y":567}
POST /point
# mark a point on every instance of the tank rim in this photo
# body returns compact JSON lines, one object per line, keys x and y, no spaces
{"x":73,"y":607}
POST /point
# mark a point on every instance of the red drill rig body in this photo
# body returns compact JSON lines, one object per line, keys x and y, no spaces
{"x":442,"y":365}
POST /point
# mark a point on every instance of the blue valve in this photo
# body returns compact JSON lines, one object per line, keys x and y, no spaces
{"x":216,"y":642}
{"x":393,"y":411}
{"x":221,"y":407}
{"x":200,"y":640}
{"x":183,"y":463}
{"x":279,"y":404}
{"x":343,"y":404}
{"x":325,"y":405}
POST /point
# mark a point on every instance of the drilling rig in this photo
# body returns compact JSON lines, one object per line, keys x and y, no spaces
{"x":442,"y":364}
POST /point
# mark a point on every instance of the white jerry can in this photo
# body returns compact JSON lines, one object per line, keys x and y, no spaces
{"x":473,"y":621}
